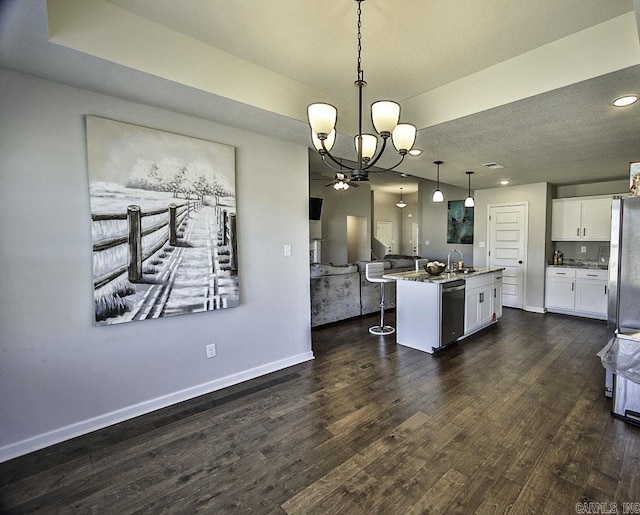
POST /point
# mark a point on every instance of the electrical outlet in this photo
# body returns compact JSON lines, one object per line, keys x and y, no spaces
{"x":287,"y":250}
{"x":583,"y":249}
{"x":211,"y":350}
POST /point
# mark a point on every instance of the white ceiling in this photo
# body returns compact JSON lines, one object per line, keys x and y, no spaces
{"x":525,"y":84}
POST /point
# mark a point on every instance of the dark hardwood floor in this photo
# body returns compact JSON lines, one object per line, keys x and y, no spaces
{"x":511,"y":420}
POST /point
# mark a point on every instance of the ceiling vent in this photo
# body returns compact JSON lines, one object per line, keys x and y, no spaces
{"x":493,"y":166}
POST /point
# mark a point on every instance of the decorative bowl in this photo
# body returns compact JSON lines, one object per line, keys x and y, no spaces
{"x":434,"y":268}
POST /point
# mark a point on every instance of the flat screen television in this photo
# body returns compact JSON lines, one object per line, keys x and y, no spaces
{"x":315,"y":208}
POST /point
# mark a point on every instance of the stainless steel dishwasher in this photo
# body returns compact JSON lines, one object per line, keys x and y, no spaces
{"x":452,"y":322}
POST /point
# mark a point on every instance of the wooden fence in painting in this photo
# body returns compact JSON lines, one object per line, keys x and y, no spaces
{"x":228,"y":236}
{"x":137,"y":254}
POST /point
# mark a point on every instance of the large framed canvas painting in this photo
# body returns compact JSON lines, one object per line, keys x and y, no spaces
{"x":459,"y":223}
{"x":163,"y":223}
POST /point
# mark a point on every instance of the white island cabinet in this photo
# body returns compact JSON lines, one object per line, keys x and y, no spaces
{"x":418,"y":314}
{"x":483,"y":303}
{"x":419,"y":306}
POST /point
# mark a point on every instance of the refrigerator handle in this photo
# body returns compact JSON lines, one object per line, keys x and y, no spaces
{"x":617,"y":209}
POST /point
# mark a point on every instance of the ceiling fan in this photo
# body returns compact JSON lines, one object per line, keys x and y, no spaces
{"x":341,"y":182}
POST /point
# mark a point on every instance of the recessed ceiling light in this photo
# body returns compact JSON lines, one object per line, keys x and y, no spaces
{"x":504,"y":183}
{"x":415,"y":151}
{"x":626,"y":100}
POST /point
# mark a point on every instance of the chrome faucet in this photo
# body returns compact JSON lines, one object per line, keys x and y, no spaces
{"x":449,"y":269}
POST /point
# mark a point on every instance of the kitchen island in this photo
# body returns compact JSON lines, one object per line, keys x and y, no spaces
{"x":434,"y":311}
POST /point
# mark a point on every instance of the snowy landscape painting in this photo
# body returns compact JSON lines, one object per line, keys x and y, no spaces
{"x":163,"y":222}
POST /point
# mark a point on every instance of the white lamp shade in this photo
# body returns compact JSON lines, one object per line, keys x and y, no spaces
{"x":438,"y":196}
{"x":468,"y":202}
{"x":328,"y":143}
{"x":322,"y":118}
{"x":385,"y":115}
{"x":401,"y":204}
{"x":404,"y":136}
{"x":369,"y":144}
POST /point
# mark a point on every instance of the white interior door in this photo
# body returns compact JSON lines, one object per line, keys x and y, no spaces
{"x":508,"y":249}
{"x":384,"y":232}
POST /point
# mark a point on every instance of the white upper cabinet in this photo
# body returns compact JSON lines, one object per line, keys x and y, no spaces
{"x":581,"y":219}
{"x":596,"y":219}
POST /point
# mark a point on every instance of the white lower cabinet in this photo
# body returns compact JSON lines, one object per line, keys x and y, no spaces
{"x":483,"y":303}
{"x":497,"y":294}
{"x":591,"y":291}
{"x":477,"y":308}
{"x":561,"y":289}
{"x":581,"y":292}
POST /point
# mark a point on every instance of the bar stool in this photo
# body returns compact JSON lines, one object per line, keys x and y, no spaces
{"x":373,"y":273}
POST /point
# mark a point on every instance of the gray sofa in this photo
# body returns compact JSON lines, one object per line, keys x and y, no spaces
{"x":341,"y":292}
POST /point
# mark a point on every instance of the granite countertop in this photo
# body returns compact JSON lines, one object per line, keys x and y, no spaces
{"x":587,"y":266}
{"x":442,"y":278}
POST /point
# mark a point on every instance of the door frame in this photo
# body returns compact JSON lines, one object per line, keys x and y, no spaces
{"x":525,"y":274}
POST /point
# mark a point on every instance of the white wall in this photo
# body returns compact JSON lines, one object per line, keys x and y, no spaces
{"x":385,"y":210}
{"x":593,"y":188}
{"x":538,"y":197}
{"x":336,"y":207}
{"x":409,"y":215}
{"x":59,"y":375}
{"x":433,"y":223}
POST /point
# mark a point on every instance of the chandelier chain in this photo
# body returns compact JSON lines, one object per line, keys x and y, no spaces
{"x":360,"y":72}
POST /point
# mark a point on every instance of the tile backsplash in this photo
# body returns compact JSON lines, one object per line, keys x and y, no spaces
{"x":603,"y":254}
{"x":596,"y":252}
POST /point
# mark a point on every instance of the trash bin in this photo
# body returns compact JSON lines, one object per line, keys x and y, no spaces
{"x":621,"y":356}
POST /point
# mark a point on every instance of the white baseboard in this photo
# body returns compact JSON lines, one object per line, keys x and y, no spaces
{"x":62,"y":434}
{"x":535,"y":309}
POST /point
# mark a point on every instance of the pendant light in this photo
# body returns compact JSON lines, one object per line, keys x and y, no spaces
{"x":438,"y":195}
{"x":469,"y":202}
{"x":402,"y":203}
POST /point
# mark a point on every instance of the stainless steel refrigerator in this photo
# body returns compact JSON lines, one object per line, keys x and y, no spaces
{"x":621,"y":355}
